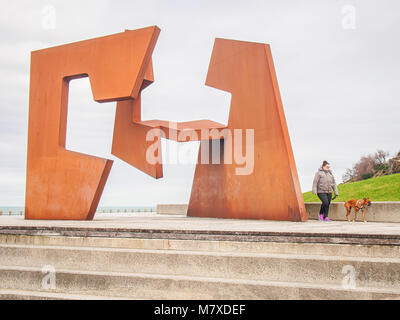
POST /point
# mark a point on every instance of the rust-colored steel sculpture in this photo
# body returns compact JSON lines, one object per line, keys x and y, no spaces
{"x":272,"y":190}
{"x":63,"y":184}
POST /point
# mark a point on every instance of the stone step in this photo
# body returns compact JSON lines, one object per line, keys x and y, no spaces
{"x":315,"y":269}
{"x":182,"y":228}
{"x":14,"y":294}
{"x":346,"y":250}
{"x":26,"y":283}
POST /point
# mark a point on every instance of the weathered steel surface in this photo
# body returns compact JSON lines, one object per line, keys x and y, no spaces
{"x":272,"y":190}
{"x":63,"y":184}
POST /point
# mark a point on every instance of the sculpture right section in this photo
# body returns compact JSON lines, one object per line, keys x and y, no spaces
{"x":263,"y":184}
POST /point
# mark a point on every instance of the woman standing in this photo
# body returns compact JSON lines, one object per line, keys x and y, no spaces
{"x":323,"y":184}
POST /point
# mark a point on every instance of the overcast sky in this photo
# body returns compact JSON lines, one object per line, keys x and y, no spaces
{"x":338,"y":74}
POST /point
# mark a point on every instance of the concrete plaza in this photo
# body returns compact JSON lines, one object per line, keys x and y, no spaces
{"x":154,"y":221}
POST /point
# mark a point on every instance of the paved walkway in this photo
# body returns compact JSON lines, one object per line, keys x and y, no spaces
{"x":153,"y":221}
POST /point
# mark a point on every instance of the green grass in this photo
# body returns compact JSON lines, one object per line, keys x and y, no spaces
{"x":385,"y":188}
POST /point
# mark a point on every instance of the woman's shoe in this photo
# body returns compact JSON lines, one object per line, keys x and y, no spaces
{"x":321,"y":217}
{"x":327,"y":219}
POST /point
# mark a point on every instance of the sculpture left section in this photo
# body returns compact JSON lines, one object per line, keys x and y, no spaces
{"x":62,"y":184}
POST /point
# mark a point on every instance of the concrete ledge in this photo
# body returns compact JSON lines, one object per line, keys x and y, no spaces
{"x":173,"y":209}
{"x":210,"y":235}
{"x":157,"y":226}
{"x":379,"y":211}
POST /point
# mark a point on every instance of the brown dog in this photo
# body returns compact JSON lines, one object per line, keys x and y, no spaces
{"x":357,"y":204}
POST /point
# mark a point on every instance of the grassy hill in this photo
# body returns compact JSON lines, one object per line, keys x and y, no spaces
{"x":385,"y":188}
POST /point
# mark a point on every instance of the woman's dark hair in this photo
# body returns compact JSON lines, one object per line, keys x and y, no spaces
{"x":325,"y":163}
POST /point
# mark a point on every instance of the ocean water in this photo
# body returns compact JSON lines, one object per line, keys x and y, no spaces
{"x":5,"y":211}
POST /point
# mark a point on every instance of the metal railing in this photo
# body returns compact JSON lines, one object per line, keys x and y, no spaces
{"x":124,"y":210}
{"x":100,"y":210}
{"x":12,"y":213}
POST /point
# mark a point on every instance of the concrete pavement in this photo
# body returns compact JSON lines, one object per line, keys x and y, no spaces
{"x":165,"y":222}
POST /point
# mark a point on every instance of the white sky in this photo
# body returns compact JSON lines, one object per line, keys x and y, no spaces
{"x":340,"y":87}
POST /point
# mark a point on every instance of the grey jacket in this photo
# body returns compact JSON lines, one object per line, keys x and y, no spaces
{"x":324,"y":182}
